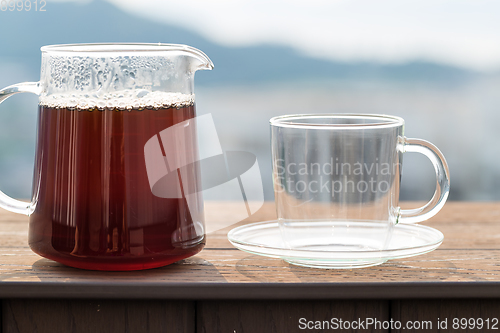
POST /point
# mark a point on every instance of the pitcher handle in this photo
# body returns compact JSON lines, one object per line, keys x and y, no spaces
{"x":7,"y":202}
{"x":442,"y":182}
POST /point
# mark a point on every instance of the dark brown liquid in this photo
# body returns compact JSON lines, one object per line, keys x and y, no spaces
{"x":93,"y":205}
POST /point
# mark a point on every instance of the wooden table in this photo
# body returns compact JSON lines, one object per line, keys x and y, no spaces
{"x":225,"y":290}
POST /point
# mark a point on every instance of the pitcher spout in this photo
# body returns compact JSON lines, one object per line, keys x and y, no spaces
{"x":200,"y":61}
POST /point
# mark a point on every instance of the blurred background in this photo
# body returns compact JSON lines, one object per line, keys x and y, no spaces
{"x":436,"y":63}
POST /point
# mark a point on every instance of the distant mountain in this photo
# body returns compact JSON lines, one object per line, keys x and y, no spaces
{"x":23,"y":33}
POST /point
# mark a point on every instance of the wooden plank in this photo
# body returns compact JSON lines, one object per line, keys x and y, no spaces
{"x":287,"y":316}
{"x":464,"y":224}
{"x":458,"y":235}
{"x":431,"y":275}
{"x":232,"y":266}
{"x":238,"y":276}
{"x":252,"y":291}
{"x":34,"y":315}
{"x":447,"y":315}
{"x":466,"y":262}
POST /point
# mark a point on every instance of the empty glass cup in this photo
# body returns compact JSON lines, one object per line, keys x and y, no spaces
{"x":337,"y":181}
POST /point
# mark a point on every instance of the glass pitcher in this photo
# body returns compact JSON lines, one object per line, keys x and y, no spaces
{"x":111,"y":190}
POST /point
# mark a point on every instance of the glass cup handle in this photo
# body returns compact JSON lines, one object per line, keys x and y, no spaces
{"x":442,"y":182}
{"x":7,"y":202}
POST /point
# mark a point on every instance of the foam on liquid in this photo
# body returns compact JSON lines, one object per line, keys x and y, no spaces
{"x":119,"y":101}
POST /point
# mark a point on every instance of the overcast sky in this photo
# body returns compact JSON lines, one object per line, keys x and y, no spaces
{"x":459,"y":32}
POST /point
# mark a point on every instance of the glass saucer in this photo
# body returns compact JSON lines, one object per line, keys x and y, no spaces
{"x":333,"y":244}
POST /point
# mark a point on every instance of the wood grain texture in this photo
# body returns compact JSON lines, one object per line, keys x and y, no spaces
{"x":467,"y":264}
{"x":34,"y":315}
{"x":285,"y":316}
{"x":446,"y":311}
{"x":465,"y":225}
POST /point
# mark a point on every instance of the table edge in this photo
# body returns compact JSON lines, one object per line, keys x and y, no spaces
{"x":251,"y":291}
